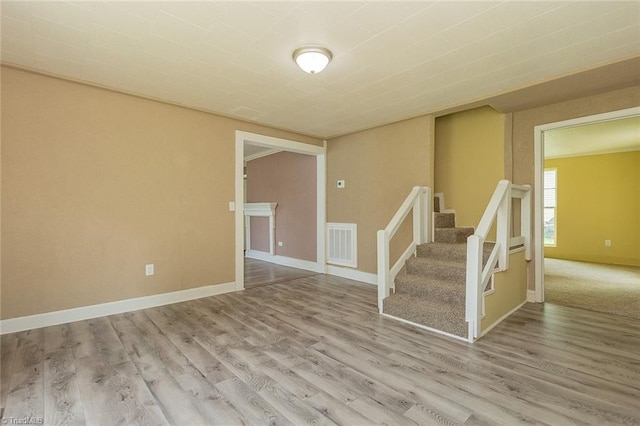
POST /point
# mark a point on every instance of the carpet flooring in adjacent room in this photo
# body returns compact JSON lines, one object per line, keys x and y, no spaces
{"x":598,"y":287}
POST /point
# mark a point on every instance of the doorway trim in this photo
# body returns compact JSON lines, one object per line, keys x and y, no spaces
{"x":282,"y":145}
{"x":538,"y":152}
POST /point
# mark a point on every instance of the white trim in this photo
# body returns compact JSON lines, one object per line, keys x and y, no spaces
{"x":261,"y":154}
{"x":515,"y":250}
{"x":538,"y":148}
{"x":260,"y":210}
{"x":283,"y":145}
{"x":321,"y":210}
{"x":352,"y":274}
{"x":531,"y":296}
{"x":285,"y":261}
{"x":424,"y":327}
{"x":502,"y":318}
{"x":587,"y":154}
{"x":111,"y":308}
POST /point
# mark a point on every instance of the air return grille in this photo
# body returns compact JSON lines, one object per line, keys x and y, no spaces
{"x":342,"y":244}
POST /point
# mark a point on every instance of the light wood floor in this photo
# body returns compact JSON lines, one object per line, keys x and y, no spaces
{"x":314,"y":351}
{"x":258,"y":272}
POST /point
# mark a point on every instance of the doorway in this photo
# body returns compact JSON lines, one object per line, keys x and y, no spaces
{"x":256,"y":140}
{"x":539,"y":157}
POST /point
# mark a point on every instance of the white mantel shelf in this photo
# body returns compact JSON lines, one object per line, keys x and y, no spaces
{"x":260,"y":210}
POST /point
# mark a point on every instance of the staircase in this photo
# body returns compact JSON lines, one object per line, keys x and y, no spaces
{"x":431,"y":292}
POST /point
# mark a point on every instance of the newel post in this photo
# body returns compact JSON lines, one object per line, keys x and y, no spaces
{"x":427,"y":210}
{"x":474,"y":277}
{"x":383,"y":268}
{"x":503,"y":229}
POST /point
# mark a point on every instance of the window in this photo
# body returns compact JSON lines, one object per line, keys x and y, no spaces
{"x":550,"y":198}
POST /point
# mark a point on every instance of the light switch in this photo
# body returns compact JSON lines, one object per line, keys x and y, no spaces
{"x":340,"y":183}
{"x":232,"y":206}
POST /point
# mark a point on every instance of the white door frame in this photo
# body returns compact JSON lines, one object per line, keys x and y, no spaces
{"x":538,"y":146}
{"x":283,"y":145}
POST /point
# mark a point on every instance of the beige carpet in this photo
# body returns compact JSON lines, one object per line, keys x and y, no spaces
{"x":605,"y":288}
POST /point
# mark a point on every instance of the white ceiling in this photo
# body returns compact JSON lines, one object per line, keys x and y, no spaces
{"x":599,"y":138}
{"x":392,"y":60}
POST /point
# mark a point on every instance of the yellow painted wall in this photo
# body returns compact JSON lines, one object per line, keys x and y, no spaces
{"x":524,"y":122}
{"x":96,"y":183}
{"x":379,"y":166}
{"x":510,"y":290}
{"x":598,"y":200}
{"x":469,"y":161}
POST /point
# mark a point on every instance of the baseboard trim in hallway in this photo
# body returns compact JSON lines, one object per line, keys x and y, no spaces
{"x":47,"y":319}
{"x":285,"y":261}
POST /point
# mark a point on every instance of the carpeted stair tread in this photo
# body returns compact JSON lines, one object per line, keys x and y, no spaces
{"x":432,"y":289}
{"x":434,"y":314}
{"x":452,"y":235}
{"x":445,"y":251}
{"x":426,"y":287}
{"x":443,"y":270}
{"x":444,"y":220}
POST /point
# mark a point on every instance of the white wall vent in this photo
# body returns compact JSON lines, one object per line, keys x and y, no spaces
{"x":342,"y":244}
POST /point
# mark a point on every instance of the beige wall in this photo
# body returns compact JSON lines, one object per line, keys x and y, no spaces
{"x":523,"y":123}
{"x":95,"y":184}
{"x":510,"y":290}
{"x":598,"y":199}
{"x":469,"y":161}
{"x":380,"y":166}
{"x":290,"y":180}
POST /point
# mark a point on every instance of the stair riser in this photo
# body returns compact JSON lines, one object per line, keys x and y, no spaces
{"x":444,"y":220}
{"x":457,"y":252}
{"x":452,"y":235}
{"x":451,"y":322}
{"x":449,"y":252}
{"x":455,"y":295}
{"x":441,"y":272}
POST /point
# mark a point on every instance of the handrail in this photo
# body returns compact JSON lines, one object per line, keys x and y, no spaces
{"x":478,"y":276}
{"x":420,"y":201}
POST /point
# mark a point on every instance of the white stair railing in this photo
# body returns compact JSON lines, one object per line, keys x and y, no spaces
{"x":421,"y":202}
{"x":478,"y":277}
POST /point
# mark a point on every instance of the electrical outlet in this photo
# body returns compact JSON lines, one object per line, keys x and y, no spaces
{"x":607,"y":243}
{"x":149,"y":269}
{"x":279,"y":243}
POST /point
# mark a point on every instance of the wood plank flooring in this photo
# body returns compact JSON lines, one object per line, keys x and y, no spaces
{"x":258,"y":272}
{"x":314,"y":351}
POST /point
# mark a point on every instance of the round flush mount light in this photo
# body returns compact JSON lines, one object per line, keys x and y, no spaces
{"x":312,"y":59}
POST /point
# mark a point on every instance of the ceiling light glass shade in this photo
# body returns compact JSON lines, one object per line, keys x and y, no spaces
{"x":312,"y":59}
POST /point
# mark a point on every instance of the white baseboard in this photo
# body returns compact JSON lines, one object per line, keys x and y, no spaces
{"x":352,"y":274}
{"x":424,"y":327}
{"x":111,"y":308}
{"x":285,"y":261}
{"x":531,"y":296}
{"x":502,"y":318}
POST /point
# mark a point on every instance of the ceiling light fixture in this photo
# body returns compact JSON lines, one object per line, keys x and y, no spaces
{"x":312,"y":59}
